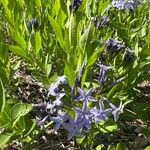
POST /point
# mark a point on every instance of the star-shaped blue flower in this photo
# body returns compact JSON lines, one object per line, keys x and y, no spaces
{"x":83,"y":118}
{"x":101,"y":113}
{"x":61,"y":118}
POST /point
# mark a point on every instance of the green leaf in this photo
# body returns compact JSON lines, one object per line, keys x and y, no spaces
{"x":30,"y":126}
{"x":20,"y":40}
{"x":20,"y":109}
{"x":69,"y":72}
{"x":94,"y":57}
{"x":99,"y":147}
{"x":109,"y":127}
{"x":85,"y":38}
{"x":147,"y":148}
{"x":2,"y":97}
{"x":4,"y":138}
{"x":90,"y":62}
{"x":5,"y":117}
{"x":57,"y":30}
{"x":72,"y":32}
{"x":121,"y":146}
{"x":92,"y":47}
{"x":36,"y":42}
{"x":79,"y":140}
{"x":19,"y":52}
{"x":114,"y":90}
{"x":38,"y":3}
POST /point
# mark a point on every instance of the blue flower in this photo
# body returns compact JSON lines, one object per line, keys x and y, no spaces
{"x":116,"y":111}
{"x":83,"y":119}
{"x":103,"y":73}
{"x":101,"y":113}
{"x":62,"y":80}
{"x":125,"y":4}
{"x":85,"y":96}
{"x":61,"y":118}
{"x":72,"y":129}
{"x":53,"y":89}
{"x":114,"y":46}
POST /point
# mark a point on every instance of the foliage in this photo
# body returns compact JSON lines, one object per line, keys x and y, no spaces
{"x":80,"y":51}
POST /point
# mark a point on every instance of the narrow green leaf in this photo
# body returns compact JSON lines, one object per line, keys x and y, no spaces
{"x":69,"y":72}
{"x":20,"y":40}
{"x":114,"y":90}
{"x":84,"y":40}
{"x":19,"y":52}
{"x":57,"y":30}
{"x":36,"y":42}
{"x":72,"y":32}
{"x":2,"y":97}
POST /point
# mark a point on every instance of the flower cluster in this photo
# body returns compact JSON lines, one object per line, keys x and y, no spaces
{"x":84,"y":116}
{"x":114,"y":46}
{"x":125,"y":4}
{"x":50,"y":108}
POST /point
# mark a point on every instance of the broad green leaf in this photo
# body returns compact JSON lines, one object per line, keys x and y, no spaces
{"x":92,"y":47}
{"x":20,"y":109}
{"x":109,"y":127}
{"x":5,"y":117}
{"x":57,"y":30}
{"x":99,"y":147}
{"x":4,"y":138}
{"x":2,"y":97}
{"x":30,"y":126}
{"x":4,"y":75}
{"x":61,"y":18}
{"x":121,"y":146}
